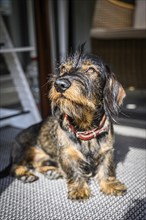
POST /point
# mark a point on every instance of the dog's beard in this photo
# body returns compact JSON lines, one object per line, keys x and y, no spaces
{"x":64,"y":105}
{"x":76,"y":103}
{"x":82,"y":116}
{"x":72,"y":101}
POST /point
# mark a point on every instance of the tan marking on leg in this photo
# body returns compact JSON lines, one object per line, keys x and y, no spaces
{"x":36,"y":156}
{"x":19,"y":170}
{"x":22,"y":173}
{"x":74,"y":154}
{"x":112,"y":186}
{"x":77,"y":190}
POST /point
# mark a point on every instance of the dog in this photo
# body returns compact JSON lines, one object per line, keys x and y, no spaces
{"x":76,"y":142}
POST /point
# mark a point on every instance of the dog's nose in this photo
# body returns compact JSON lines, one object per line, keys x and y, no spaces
{"x":62,"y":85}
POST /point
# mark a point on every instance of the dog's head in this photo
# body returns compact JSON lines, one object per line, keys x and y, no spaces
{"x":85,"y":88}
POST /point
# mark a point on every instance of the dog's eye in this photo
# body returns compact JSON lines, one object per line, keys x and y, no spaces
{"x":62,"y":69}
{"x":91,"y":70}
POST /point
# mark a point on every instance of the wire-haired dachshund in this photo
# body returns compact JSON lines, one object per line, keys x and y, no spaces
{"x":77,"y":141}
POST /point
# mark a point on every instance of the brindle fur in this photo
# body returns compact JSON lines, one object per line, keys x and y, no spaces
{"x":52,"y":149}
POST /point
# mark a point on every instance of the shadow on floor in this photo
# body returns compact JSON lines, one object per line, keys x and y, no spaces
{"x":7,"y":136}
{"x":136,"y":210}
{"x":123,"y":145}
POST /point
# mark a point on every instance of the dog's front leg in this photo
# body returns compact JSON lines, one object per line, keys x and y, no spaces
{"x":108,"y":182}
{"x":74,"y":165}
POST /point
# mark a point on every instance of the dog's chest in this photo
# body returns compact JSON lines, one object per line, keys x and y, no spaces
{"x":90,"y":149}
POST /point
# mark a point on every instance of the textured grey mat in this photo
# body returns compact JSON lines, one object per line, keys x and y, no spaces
{"x":47,"y":199}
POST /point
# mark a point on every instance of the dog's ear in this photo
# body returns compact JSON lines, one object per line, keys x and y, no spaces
{"x":113,"y":94}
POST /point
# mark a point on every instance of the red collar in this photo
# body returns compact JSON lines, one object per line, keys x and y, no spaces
{"x":88,"y":135}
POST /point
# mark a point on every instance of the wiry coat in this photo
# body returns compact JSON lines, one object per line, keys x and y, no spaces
{"x":85,"y":90}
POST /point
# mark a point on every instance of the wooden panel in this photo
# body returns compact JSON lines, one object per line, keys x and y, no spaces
{"x":44,"y":52}
{"x":126,"y":57}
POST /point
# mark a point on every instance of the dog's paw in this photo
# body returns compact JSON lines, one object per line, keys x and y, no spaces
{"x":53,"y":174}
{"x":28,"y":178}
{"x":78,"y":192}
{"x":112,"y":186}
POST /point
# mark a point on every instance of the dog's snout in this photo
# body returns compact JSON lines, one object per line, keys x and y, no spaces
{"x":62,"y":85}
